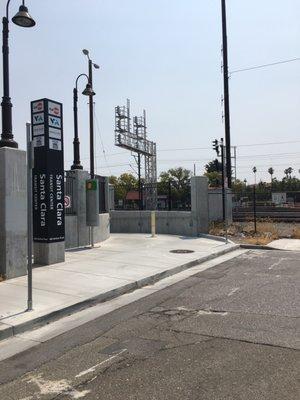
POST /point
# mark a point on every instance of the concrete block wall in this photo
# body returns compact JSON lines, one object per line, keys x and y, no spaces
{"x":77,"y":234}
{"x":167,"y":222}
{"x":206,"y":207}
{"x":72,"y":237}
{"x":215,"y":205}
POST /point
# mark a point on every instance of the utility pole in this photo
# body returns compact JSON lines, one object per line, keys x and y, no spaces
{"x":254,"y":169}
{"x":169,"y":195}
{"x":234,"y":157}
{"x":226,"y":94}
{"x":216,"y":147}
{"x":223,"y":179}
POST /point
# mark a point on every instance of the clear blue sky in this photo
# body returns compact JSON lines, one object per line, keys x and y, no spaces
{"x":165,"y":55}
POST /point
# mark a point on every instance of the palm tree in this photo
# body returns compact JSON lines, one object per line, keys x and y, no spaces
{"x":254,"y":169}
{"x":288,"y":172}
{"x":271,"y":172}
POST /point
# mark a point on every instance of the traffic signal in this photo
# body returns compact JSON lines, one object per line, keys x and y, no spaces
{"x":216,"y":146}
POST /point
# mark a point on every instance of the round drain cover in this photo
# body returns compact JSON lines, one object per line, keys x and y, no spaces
{"x":179,"y":251}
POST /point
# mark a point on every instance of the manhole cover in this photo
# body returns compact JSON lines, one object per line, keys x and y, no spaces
{"x":179,"y":251}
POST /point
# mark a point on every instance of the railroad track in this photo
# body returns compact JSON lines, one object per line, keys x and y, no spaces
{"x":284,"y":215}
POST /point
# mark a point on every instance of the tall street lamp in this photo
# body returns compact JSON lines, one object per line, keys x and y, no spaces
{"x":226,"y":94}
{"x":91,"y":106}
{"x":23,"y":19}
{"x":88,"y":91}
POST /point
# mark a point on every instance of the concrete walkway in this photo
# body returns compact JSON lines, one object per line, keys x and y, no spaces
{"x":123,"y":263}
{"x":286,"y":244}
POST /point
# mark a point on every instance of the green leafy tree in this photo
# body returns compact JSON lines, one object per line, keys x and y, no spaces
{"x":178,"y":180}
{"x":213,"y":171}
{"x":123,"y":184}
{"x":179,"y":176}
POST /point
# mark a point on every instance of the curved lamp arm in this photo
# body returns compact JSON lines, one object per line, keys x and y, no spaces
{"x":7,"y":7}
{"x":79,"y":76}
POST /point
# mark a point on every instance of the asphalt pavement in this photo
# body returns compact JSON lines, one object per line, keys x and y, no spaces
{"x":119,"y":265}
{"x":228,"y":332}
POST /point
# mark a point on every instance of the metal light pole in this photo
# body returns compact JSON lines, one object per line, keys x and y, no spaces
{"x":91,"y":107}
{"x":226,"y":94}
{"x":88,"y":91}
{"x":23,"y":19}
{"x":254,"y":199}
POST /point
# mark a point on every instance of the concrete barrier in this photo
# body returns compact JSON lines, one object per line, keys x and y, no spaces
{"x":215,"y":205}
{"x":206,"y":207}
{"x":74,"y":238}
{"x":167,"y":222}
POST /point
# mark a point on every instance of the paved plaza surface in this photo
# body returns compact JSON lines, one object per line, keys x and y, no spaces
{"x":227,"y":332}
{"x":286,"y":244}
{"x":116,"y":266}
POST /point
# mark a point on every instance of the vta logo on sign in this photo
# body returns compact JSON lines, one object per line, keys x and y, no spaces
{"x":54,"y":121}
{"x":38,"y":119}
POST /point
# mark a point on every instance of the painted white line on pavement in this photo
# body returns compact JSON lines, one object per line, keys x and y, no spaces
{"x":92,"y":369}
{"x":233,"y":291}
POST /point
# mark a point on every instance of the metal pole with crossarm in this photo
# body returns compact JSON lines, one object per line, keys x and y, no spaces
{"x":226,"y":95}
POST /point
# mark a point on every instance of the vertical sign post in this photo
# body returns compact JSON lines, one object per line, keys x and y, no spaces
{"x":48,"y":181}
{"x":29,"y":216}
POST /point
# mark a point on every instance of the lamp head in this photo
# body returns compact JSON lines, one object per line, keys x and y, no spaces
{"x":88,"y":91}
{"x":96,"y":66}
{"x":23,"y":18}
{"x":85,"y":52}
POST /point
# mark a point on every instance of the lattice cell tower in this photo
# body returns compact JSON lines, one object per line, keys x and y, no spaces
{"x":133,"y":137}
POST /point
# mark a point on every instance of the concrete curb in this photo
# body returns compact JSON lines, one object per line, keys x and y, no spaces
{"x":259,"y":247}
{"x":12,"y":330}
{"x":214,"y":237}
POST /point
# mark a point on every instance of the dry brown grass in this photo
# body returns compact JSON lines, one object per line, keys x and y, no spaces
{"x":296,"y":233}
{"x":268,"y":228}
{"x":267,"y":231}
{"x":259,"y":240}
{"x":1,"y":278}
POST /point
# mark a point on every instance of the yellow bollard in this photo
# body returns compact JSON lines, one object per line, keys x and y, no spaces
{"x":153,"y":224}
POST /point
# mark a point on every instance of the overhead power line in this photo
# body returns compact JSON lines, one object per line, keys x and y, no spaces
{"x":265,"y":65}
{"x":267,"y":143}
{"x":239,"y":145}
{"x":209,"y":148}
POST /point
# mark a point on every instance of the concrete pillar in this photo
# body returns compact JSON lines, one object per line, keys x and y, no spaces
{"x":13,"y":213}
{"x":199,"y":200}
{"x":79,"y":205}
{"x":106,"y":194}
{"x":216,"y":205}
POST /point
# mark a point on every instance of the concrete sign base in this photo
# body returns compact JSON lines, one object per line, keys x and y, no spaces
{"x":49,"y":253}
